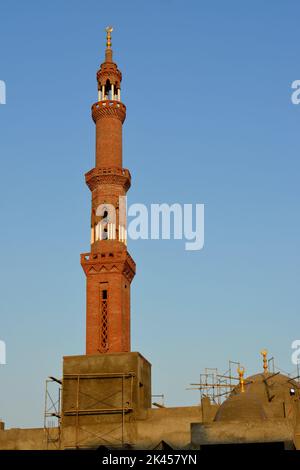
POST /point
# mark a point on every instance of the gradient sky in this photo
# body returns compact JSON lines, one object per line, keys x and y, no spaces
{"x":207,"y":85}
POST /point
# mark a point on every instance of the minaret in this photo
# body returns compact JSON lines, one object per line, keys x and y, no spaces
{"x":108,"y":267}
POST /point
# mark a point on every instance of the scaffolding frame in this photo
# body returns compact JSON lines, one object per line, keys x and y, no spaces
{"x":216,"y":386}
{"x":52,"y":412}
{"x":123,"y":409}
{"x":162,"y":397}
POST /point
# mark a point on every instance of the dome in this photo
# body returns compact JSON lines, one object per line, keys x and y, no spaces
{"x":271,"y":388}
{"x":265,"y":395}
{"x":241,"y":407}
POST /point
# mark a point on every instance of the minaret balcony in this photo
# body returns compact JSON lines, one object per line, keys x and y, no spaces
{"x":113,"y":175}
{"x":112,"y":255}
{"x":109,"y":109}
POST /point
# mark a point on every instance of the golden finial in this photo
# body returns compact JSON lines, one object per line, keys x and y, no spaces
{"x":264,"y":353}
{"x":109,"y":30}
{"x":241,"y":372}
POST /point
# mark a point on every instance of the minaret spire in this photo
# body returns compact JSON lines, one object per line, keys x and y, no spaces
{"x":108,"y":52}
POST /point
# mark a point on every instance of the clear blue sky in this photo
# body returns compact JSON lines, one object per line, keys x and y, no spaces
{"x":209,"y":120}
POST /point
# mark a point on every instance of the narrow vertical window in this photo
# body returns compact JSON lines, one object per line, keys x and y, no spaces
{"x":104,"y":320}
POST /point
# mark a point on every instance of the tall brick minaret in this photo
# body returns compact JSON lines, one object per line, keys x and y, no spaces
{"x":108,"y":267}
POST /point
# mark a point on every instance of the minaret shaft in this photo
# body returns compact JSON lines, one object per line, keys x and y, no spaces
{"x":109,"y":143}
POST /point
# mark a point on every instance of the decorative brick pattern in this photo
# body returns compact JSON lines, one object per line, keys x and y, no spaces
{"x":104,"y":325}
{"x":109,"y":71}
{"x":104,"y":176}
{"x":109,"y":109}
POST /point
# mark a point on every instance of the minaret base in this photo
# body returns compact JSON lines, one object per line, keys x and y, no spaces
{"x":102,"y":397}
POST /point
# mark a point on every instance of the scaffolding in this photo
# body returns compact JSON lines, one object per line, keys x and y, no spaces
{"x":124,"y":408}
{"x":162,"y":401}
{"x":52,"y":413}
{"x":216,"y":386}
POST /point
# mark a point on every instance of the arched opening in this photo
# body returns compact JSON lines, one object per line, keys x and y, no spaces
{"x":107,"y":89}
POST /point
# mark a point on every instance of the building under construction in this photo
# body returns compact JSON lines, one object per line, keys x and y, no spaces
{"x":104,"y":397}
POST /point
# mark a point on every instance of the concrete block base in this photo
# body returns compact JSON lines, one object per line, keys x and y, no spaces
{"x":102,"y":397}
